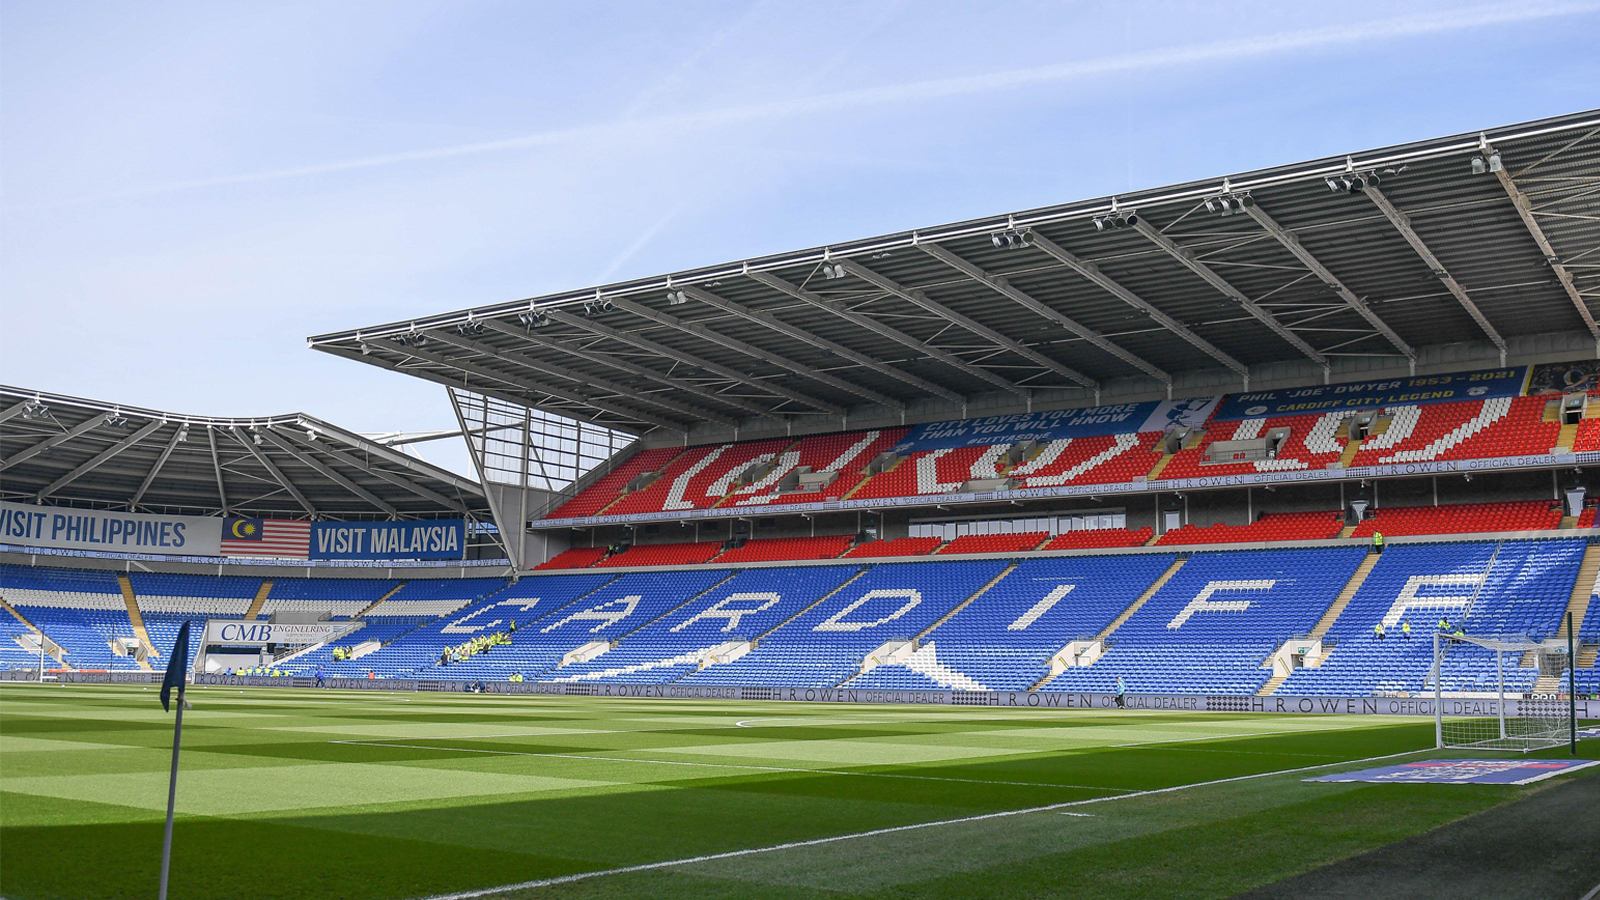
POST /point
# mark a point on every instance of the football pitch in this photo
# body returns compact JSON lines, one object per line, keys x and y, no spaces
{"x":369,"y":794}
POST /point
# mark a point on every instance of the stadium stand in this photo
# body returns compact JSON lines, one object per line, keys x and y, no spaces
{"x":890,"y":602}
{"x":1014,"y":542}
{"x":845,"y":456}
{"x":1510,"y":588}
{"x":910,"y":546}
{"x":1505,"y":426}
{"x":1211,"y":627}
{"x":736,"y":611}
{"x":82,"y":610}
{"x":774,"y":549}
{"x":576,"y":558}
{"x":1308,"y":526}
{"x":1468,"y":518}
{"x":1100,"y":538}
{"x":1312,"y":443}
{"x":342,"y":598}
{"x":663,"y":555}
{"x":1005,"y":639}
{"x":605,"y":490}
{"x":699,"y":477}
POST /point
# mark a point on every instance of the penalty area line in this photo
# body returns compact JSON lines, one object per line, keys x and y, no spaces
{"x":896,"y":829}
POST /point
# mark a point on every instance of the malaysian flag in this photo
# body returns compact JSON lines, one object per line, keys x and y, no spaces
{"x":266,"y":537}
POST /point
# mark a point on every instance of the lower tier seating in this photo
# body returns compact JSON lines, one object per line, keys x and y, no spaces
{"x":1465,"y":518}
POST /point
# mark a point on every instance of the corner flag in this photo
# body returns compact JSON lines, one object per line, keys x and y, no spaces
{"x":177,"y":663}
{"x":177,"y":666}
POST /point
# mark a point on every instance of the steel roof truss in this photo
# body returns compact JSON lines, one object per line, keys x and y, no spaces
{"x":1221,"y":285}
{"x":689,"y":359}
{"x":1291,"y":242}
{"x":1001,"y":286}
{"x":782,"y":362}
{"x":316,"y":465}
{"x":611,"y":360}
{"x":519,"y":383}
{"x":100,"y":459}
{"x":1402,"y":224}
{"x":527,"y":362}
{"x":394,"y":478}
{"x":28,"y":453}
{"x":1092,"y":273}
{"x":1525,"y":211}
{"x":273,"y":470}
{"x":216,"y":467}
{"x":150,"y":476}
{"x":769,"y":321}
{"x":863,"y":320}
{"x":918,"y":298}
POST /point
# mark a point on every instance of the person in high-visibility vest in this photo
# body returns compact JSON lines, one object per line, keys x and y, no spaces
{"x":1405,"y":628}
{"x":1378,"y":630}
{"x":1444,"y":624}
{"x":1377,"y":542}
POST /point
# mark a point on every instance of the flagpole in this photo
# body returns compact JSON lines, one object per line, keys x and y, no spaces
{"x":177,"y":665}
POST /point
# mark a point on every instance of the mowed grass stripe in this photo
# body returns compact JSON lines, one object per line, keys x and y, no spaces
{"x":390,"y":816}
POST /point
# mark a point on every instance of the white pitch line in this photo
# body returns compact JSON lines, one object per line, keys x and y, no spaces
{"x":814,"y":842}
{"x":706,"y":765}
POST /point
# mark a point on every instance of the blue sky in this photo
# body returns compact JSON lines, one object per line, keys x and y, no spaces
{"x":189,"y":190}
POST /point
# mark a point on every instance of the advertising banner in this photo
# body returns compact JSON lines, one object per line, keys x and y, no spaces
{"x":92,"y":529}
{"x":247,"y":632}
{"x":1483,"y":384}
{"x":1040,"y":426}
{"x":427,"y":539}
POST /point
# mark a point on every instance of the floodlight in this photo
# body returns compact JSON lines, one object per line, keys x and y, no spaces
{"x":1479,"y":166}
{"x":1494,"y":163}
{"x":677,"y":298}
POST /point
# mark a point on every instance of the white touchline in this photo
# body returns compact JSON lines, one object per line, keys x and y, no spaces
{"x":706,"y":765}
{"x":734,"y":854}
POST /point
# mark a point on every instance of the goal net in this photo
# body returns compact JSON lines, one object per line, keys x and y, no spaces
{"x":1486,"y":693}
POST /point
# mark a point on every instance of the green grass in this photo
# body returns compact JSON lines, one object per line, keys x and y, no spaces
{"x":375,"y":795}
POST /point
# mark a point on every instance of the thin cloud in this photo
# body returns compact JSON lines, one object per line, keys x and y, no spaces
{"x":937,"y":89}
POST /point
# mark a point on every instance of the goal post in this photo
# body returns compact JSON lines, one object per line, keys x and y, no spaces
{"x":1482,"y":699}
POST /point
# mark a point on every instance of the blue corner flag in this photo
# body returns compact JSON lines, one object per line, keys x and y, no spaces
{"x":177,"y":663}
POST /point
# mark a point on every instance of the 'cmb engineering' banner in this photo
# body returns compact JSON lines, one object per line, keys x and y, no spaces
{"x":93,"y":529}
{"x":428,"y":539}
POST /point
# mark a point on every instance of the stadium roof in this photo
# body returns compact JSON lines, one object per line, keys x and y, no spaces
{"x":1340,"y":265}
{"x":70,"y":451}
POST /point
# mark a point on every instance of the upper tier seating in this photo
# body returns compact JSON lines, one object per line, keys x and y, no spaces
{"x":1468,"y":518}
{"x":742,"y":608}
{"x":698,"y":478}
{"x":1093,"y":460}
{"x":687,"y":554}
{"x":1099,"y":538}
{"x":1004,"y":640}
{"x":909,"y":546}
{"x":769,"y":549}
{"x":196,"y":596}
{"x":1213,"y":624}
{"x":1312,"y":444}
{"x":576,"y":558}
{"x":826,"y":644}
{"x":846,"y":454}
{"x":1014,"y":542}
{"x":1514,"y":588}
{"x":342,"y":598}
{"x":433,"y":597}
{"x":597,"y":496}
{"x":1305,"y":526}
{"x":1505,"y":426}
{"x":1588,"y":437}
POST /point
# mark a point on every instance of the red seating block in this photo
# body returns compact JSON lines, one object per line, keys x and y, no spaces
{"x":576,"y":558}
{"x":1305,"y":526}
{"x":1096,"y":538}
{"x":663,"y":555}
{"x":917,"y":546}
{"x":788,"y":548}
{"x":1472,"y":429}
{"x":1530,"y":515}
{"x":848,"y":454}
{"x":1015,"y":542}
{"x":596,"y":496}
